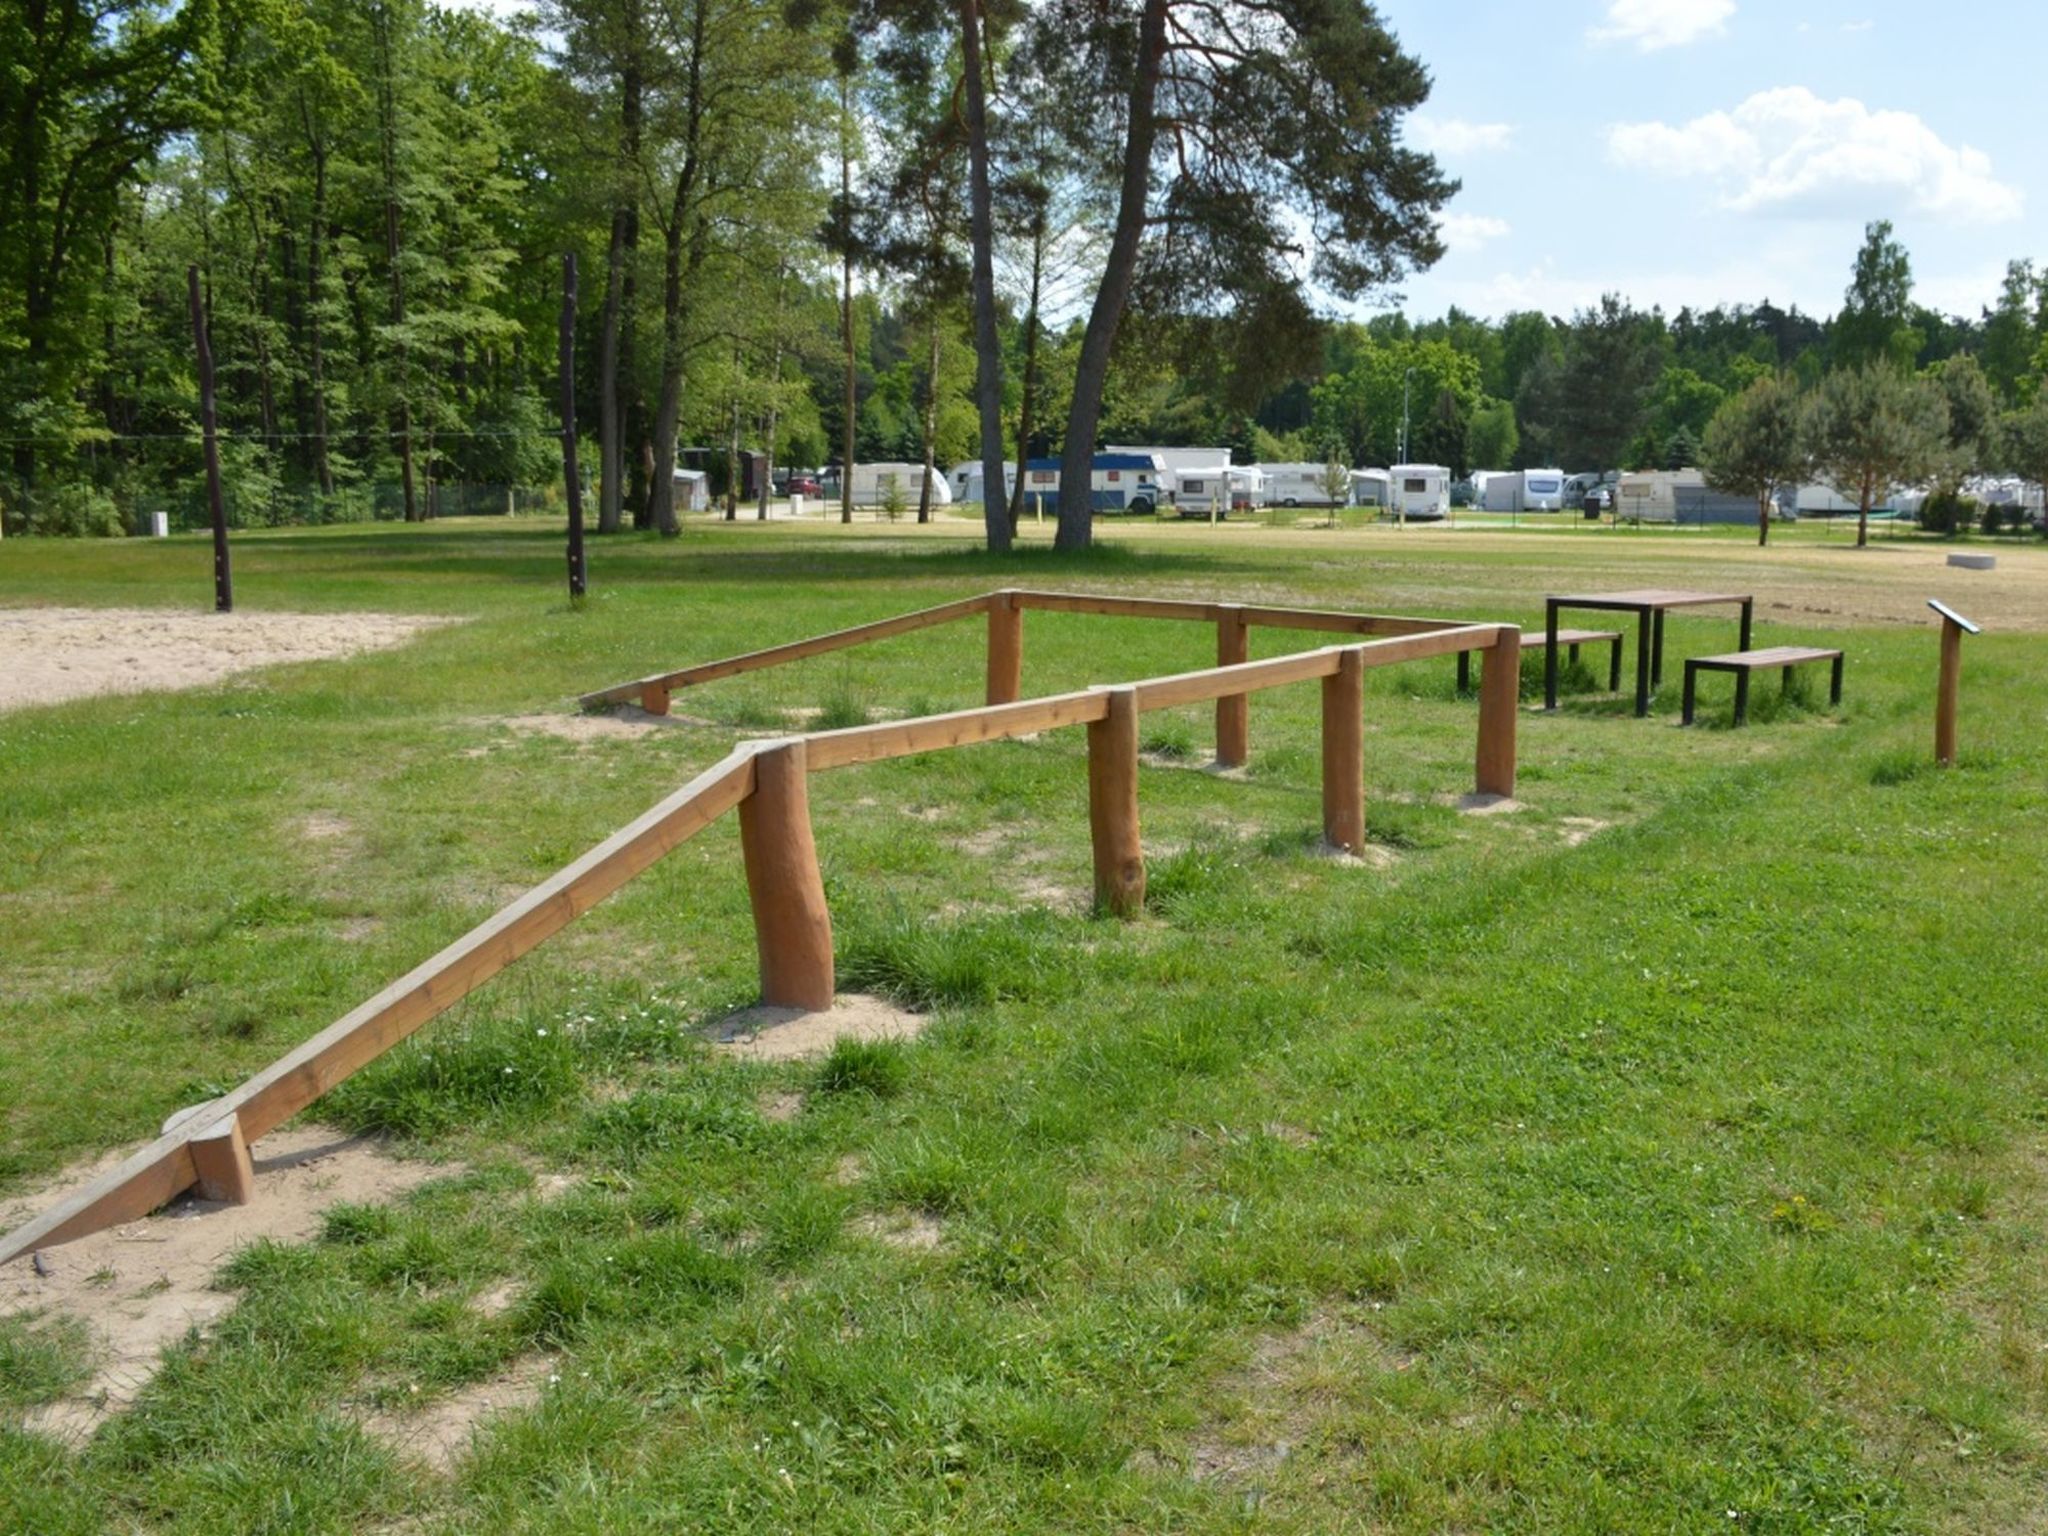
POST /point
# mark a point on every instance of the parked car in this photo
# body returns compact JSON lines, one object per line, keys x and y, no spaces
{"x":803,"y":485}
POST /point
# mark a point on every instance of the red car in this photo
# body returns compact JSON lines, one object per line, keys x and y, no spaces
{"x":802,"y":485}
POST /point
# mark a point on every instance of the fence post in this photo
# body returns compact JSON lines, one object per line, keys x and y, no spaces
{"x":1500,"y":689}
{"x":792,"y":926}
{"x":1344,"y":753}
{"x":1233,"y":711}
{"x":1113,"y":806}
{"x":220,"y":1158}
{"x":1005,"y":649}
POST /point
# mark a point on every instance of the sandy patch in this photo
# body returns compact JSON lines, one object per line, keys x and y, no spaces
{"x":629,"y":723}
{"x":1482,"y":805}
{"x":1576,"y":829}
{"x":48,"y":655}
{"x":498,"y":1300}
{"x":441,"y":1430}
{"x":849,"y":1170}
{"x":780,"y":1108}
{"x":912,"y":1231}
{"x":140,"y":1287}
{"x":981,"y":843}
{"x":1375,"y":856}
{"x":321,"y":827}
{"x":789,"y":1034}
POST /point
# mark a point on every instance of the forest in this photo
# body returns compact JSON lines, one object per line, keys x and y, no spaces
{"x":882,"y":229}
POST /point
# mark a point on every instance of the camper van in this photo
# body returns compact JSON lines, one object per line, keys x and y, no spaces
{"x":1118,"y":482}
{"x":871,"y":483}
{"x":1529,"y":490}
{"x":1173,"y":462}
{"x":1421,"y":491}
{"x":1301,"y":485}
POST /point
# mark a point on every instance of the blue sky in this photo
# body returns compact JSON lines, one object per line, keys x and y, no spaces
{"x":1702,"y":151}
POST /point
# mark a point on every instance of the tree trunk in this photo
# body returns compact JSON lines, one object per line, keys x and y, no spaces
{"x":1763,"y":518}
{"x":988,"y":347}
{"x":611,"y":450}
{"x":774,"y":398}
{"x":388,"y":133}
{"x":1077,"y":458}
{"x":1863,"y":513}
{"x":846,"y":298}
{"x":931,"y":427}
{"x":732,"y":452}
{"x":316,"y":244}
{"x":1030,"y":391}
{"x":661,"y":493}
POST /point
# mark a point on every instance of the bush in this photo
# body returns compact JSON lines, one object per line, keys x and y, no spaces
{"x":1947,"y":513}
{"x":74,"y":510}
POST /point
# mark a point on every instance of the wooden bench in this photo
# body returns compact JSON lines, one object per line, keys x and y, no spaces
{"x":1742,"y":663}
{"x":1572,"y":639}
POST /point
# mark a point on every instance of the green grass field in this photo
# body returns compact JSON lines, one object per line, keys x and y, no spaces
{"x":1670,"y":1154}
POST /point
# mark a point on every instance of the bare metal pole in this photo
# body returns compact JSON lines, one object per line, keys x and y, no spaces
{"x":223,"y":575}
{"x":574,"y":481}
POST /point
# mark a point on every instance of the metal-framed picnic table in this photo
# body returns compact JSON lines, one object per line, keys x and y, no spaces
{"x":1649,"y":605}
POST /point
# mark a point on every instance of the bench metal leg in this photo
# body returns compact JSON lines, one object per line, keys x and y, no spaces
{"x":1550,"y":654}
{"x":1835,"y":682}
{"x":1642,"y":664}
{"x":1748,"y":607}
{"x":1464,"y":673}
{"x":1657,"y":652}
{"x":1742,"y":696}
{"x":1614,"y":665}
{"x":1785,"y":682}
{"x":1692,"y":678}
{"x":1573,"y":655}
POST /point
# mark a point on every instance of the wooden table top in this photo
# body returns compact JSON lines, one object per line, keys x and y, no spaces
{"x":1647,"y":597}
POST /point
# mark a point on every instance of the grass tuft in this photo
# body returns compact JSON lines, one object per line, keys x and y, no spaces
{"x":877,"y":1068}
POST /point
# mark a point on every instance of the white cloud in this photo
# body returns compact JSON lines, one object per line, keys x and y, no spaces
{"x":1469,"y":231}
{"x":1787,"y":151}
{"x":1654,"y":24}
{"x":1457,"y":137}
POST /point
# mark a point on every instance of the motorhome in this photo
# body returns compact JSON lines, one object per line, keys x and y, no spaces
{"x":1118,"y":482}
{"x":1528,"y":490}
{"x":1172,"y":461}
{"x":1421,"y":491}
{"x":874,"y":483}
{"x":1304,"y":485}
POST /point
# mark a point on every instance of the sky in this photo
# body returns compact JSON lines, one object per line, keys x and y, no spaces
{"x":1701,"y":152}
{"x":1694,"y":152}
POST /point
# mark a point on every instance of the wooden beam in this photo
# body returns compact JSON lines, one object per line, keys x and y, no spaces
{"x":1946,"y":689}
{"x":792,"y":925}
{"x":1113,"y":805}
{"x":1500,"y":707}
{"x":795,"y":650}
{"x":1233,"y":710}
{"x":1005,"y":649}
{"x":1344,"y":752}
{"x":165,"y":1167}
{"x":962,"y":728}
{"x":1336,"y":622}
{"x":1117,"y":607}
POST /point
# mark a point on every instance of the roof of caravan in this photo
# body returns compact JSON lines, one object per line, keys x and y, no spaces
{"x":1419,"y":469}
{"x":1105,"y":461}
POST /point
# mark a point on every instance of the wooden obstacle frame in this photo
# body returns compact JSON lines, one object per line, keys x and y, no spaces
{"x":206,"y":1146}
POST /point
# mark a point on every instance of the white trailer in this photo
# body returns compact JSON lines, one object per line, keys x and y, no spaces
{"x":965,"y":481}
{"x":872,"y":483}
{"x":1528,"y":490}
{"x":1302,"y":485}
{"x":1247,"y":488}
{"x":1421,"y":491}
{"x":1372,"y":488}
{"x":693,"y":490}
{"x":1172,"y":461}
{"x":1203,"y":490}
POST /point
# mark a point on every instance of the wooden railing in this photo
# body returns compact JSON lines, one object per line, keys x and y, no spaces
{"x":207,"y":1146}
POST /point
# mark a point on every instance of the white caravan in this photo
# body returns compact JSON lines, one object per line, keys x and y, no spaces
{"x":1203,"y":490}
{"x":693,"y":490}
{"x":1372,"y":488}
{"x":966,"y":479}
{"x":1302,"y":485}
{"x":871,"y":484}
{"x":1530,"y":490}
{"x":1421,"y":490}
{"x":1651,"y":495}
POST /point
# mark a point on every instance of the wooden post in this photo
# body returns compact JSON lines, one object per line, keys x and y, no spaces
{"x":1113,"y":806}
{"x":1500,"y":687}
{"x":792,"y":926}
{"x":220,"y":1156}
{"x":223,"y":575}
{"x":1945,"y":695}
{"x":654,"y":698}
{"x":574,"y":481}
{"x":1344,"y":753}
{"x":1005,"y":649}
{"x":1233,"y":711}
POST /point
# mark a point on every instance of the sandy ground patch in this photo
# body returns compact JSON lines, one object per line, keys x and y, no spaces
{"x":140,"y":1287}
{"x":912,"y":1231}
{"x":790,"y":1034}
{"x":628,"y":723}
{"x":1576,"y":829}
{"x":441,"y":1430}
{"x":48,"y":655}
